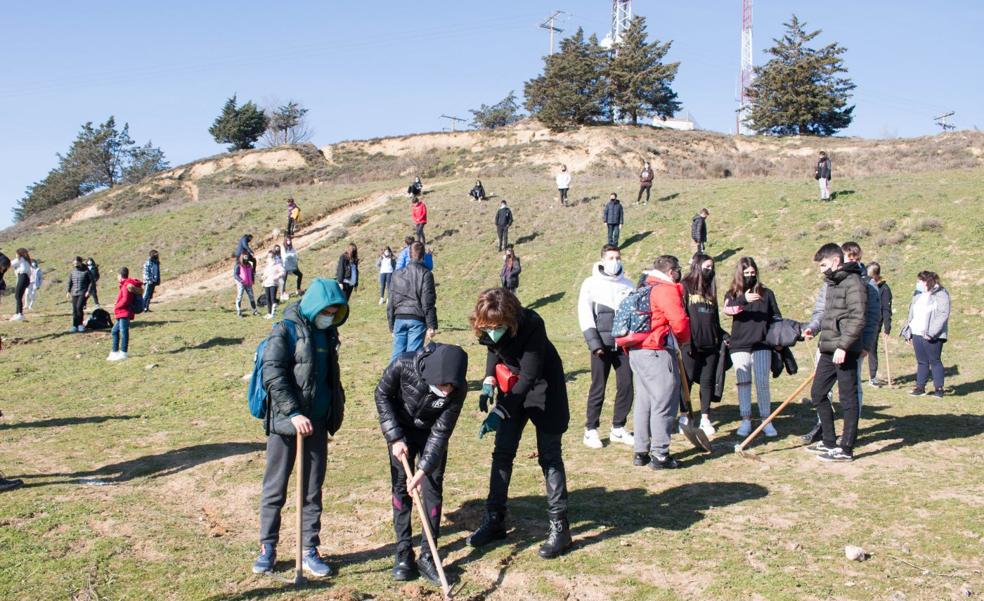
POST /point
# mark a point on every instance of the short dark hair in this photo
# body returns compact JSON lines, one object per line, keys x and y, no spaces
{"x":79,"y":259}
{"x":416,"y":251}
{"x":852,"y":248}
{"x":124,"y":272}
{"x":705,"y":212}
{"x":932,"y":280}
{"x":666,"y":263}
{"x":823,"y":153}
{"x":828,"y":251}
{"x":609,"y":248}
{"x":408,"y":240}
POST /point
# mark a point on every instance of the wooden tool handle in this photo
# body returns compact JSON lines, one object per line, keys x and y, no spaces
{"x":427,"y":531}
{"x":778,"y":410}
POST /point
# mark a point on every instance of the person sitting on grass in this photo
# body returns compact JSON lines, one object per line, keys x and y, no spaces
{"x":123,"y":311}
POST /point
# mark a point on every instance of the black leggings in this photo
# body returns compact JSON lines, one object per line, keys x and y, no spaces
{"x":702,"y":369}
{"x":299,"y":275}
{"x":23,"y":281}
{"x":271,"y":297}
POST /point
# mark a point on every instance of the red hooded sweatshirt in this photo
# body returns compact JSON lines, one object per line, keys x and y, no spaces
{"x":669,"y":314}
{"x":124,"y":300}
{"x":419,"y":211}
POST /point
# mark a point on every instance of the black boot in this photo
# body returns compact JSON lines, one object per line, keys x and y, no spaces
{"x":427,"y":569}
{"x":559,"y":539}
{"x":813,"y":435}
{"x":492,"y":528}
{"x":403,"y":568}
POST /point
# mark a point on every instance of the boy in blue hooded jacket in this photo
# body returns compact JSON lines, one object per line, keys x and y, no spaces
{"x":301,"y":377}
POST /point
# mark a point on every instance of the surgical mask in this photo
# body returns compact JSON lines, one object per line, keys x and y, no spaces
{"x":323,"y":322}
{"x":750,"y":281}
{"x":612,"y":266}
{"x":920,"y":286}
{"x":495,"y":334}
{"x":707,"y":273}
{"x":438,"y":392}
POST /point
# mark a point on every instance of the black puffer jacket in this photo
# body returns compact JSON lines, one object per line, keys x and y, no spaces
{"x":541,"y":390}
{"x":698,"y":228}
{"x":844,"y":310}
{"x":404,"y":399}
{"x":503,"y":217}
{"x":412,"y":295}
{"x":289,"y":378}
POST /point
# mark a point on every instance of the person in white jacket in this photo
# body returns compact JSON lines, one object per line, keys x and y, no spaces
{"x":36,"y":281}
{"x":563,"y":184}
{"x":291,"y":266}
{"x":22,"y":270}
{"x":597,"y":302}
{"x":273,"y":273}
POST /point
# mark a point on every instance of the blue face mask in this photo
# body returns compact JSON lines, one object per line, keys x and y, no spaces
{"x":495,"y":334}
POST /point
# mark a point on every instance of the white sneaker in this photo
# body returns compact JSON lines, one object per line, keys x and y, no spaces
{"x":591,"y":439}
{"x":268,"y":316}
{"x":120,"y":356}
{"x":381,"y":300}
{"x":112,"y":355}
{"x":17,"y":317}
{"x":285,"y":296}
{"x":745,"y":428}
{"x":81,"y":329}
{"x":620,"y":435}
{"x":770,"y":430}
{"x":705,"y":425}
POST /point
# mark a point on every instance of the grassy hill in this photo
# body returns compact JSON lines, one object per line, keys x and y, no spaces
{"x":144,"y":482}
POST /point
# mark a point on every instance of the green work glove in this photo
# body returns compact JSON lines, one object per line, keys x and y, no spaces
{"x":485,"y":397}
{"x":493,"y":421}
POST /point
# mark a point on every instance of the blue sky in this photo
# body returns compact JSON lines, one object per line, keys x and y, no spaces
{"x":367,"y":69}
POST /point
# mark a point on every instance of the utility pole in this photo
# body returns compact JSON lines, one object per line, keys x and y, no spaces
{"x":944,"y":121}
{"x":745,"y":72}
{"x":549,"y":26}
{"x":454,"y":121}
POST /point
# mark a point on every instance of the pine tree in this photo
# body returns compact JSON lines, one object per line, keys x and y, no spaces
{"x":572,"y":89}
{"x":287,"y":124}
{"x":801,"y":90}
{"x":144,"y":161}
{"x":239,"y":126}
{"x":502,"y":113}
{"x":639,"y":80}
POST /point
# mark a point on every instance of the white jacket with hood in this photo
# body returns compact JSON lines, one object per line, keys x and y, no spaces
{"x":596,"y":305}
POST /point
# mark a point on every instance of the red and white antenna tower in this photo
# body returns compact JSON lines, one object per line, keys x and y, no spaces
{"x":745,"y":74}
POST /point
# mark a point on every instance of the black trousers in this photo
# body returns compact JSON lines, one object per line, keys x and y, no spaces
{"x":280,"y":454}
{"x":271,"y":297}
{"x":300,"y":276}
{"x":503,"y":232}
{"x":702,"y":369}
{"x":642,"y":189}
{"x":431,"y":492}
{"x":420,"y":233}
{"x":290,"y":227}
{"x":846,"y":377}
{"x":601,"y":367}
{"x":78,"y":309}
{"x":347,"y":290}
{"x":548,"y":446}
{"x":563,"y":196}
{"x":23,"y":281}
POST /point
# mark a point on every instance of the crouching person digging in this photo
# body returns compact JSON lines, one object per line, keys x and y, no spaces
{"x":419,"y":399}
{"x":304,"y":394}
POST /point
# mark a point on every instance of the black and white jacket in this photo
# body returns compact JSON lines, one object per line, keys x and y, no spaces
{"x":596,"y":304}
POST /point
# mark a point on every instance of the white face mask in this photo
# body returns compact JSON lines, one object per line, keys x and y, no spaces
{"x":323,"y":322}
{"x":612,"y":266}
{"x":921,"y":286}
{"x":438,"y":392}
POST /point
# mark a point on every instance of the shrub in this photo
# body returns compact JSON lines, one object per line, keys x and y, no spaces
{"x":887,"y":225}
{"x":823,"y":226}
{"x":354,"y":219}
{"x":777,"y":264}
{"x":930,"y":224}
{"x":861,"y":232}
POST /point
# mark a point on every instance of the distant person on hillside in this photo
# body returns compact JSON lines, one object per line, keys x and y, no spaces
{"x":293,"y":215}
{"x":478,"y":191}
{"x":613,"y":216}
{"x":511,"y":268}
{"x":244,"y":276}
{"x":645,"y":182}
{"x":37,"y":280}
{"x":301,"y":376}
{"x":885,"y":320}
{"x":94,"y":270}
{"x":503,"y":221}
{"x":79,"y":284}
{"x":387,"y":265}
{"x":273,"y":272}
{"x":404,"y":257}
{"x":412,"y":308}
{"x":416,"y":187}
{"x":419,"y":399}
{"x":698,"y":230}
{"x":130,"y":289}
{"x":822,"y":175}
{"x":419,"y":212}
{"x":152,"y":276}
{"x":563,"y":184}
{"x":927,"y":329}
{"x":347,"y":271}
{"x":597,"y":302}
{"x":22,"y":269}
{"x":291,"y":267}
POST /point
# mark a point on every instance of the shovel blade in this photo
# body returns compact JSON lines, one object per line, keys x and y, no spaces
{"x":696,"y":436}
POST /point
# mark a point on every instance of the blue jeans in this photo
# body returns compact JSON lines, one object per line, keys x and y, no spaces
{"x":121,"y":335}
{"x":408,"y":336}
{"x":614,"y":230}
{"x":148,"y":294}
{"x":384,"y":281}
{"x":929,"y":360}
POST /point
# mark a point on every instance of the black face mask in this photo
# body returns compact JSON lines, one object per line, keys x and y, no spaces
{"x":827,"y":272}
{"x":750,"y":281}
{"x":707,"y":273}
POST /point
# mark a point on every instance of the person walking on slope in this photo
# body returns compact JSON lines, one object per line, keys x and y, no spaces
{"x":822,"y":175}
{"x":884,"y":323}
{"x":645,"y":182}
{"x":130,"y":289}
{"x":701,"y":356}
{"x":698,"y":230}
{"x":526,"y":369}
{"x":416,"y":187}
{"x":927,"y":329}
{"x":273,"y":273}
{"x":94,"y":270}
{"x":511,"y":268}
{"x":22,"y":271}
{"x":613,"y":216}
{"x":419,"y":399}
{"x":243,"y":247}
{"x":653,"y":357}
{"x":152,"y":276}
{"x":840,"y":347}
{"x":387,"y":265}
{"x":563,"y":184}
{"x":347,"y":271}
{"x":243,"y":275}
{"x":302,"y":379}
{"x":412,"y":308}
{"x":291,"y":267}
{"x":503,"y":221}
{"x":79,"y":284}
{"x":37,"y":280}
{"x":293,"y":215}
{"x":419,"y":213}
{"x":597,"y":302}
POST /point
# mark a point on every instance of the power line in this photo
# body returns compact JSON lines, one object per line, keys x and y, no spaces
{"x":454,"y":121}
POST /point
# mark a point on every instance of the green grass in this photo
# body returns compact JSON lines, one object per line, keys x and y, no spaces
{"x":181,"y":460}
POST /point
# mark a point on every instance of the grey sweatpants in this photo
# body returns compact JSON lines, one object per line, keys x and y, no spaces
{"x":656,"y":382}
{"x":279,"y":465}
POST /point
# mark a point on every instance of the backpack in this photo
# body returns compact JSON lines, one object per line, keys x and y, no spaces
{"x":633,"y":318}
{"x":137,"y":304}
{"x":256,"y":394}
{"x":99,"y":320}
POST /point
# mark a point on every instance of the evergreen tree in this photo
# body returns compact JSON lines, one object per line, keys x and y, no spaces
{"x":287,"y":124}
{"x":639,"y":80}
{"x":572,"y":89}
{"x":502,"y":113}
{"x":801,"y":90}
{"x":144,"y":161}
{"x":239,"y":126}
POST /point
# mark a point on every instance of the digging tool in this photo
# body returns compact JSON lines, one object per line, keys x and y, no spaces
{"x":740,"y":448}
{"x":888,"y":366}
{"x":427,"y":532}
{"x":695,"y":435}
{"x":299,"y":466}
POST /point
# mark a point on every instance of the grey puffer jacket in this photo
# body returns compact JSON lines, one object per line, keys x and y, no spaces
{"x":79,"y":281}
{"x":939,"y":321}
{"x":613,"y":213}
{"x":842,"y":326}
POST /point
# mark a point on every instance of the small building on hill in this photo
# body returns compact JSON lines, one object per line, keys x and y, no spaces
{"x":686,"y":122}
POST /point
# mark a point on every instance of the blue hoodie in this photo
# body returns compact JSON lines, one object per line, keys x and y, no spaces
{"x":320,"y":294}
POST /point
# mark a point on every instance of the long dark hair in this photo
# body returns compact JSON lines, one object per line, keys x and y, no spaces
{"x":738,"y":283}
{"x":695,"y":283}
{"x":22,"y":253}
{"x":352,"y":252}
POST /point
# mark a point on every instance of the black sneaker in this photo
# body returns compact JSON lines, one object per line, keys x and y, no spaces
{"x":427,"y":569}
{"x":819,"y":448}
{"x":918,"y":392}
{"x":667,"y":462}
{"x":403,"y":568}
{"x":836,"y":455}
{"x":640,"y":459}
{"x":493,"y":528}
{"x":938,"y":393}
{"x":6,"y":484}
{"x":813,"y":435}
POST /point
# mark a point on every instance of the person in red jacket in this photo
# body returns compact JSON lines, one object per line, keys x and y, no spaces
{"x":419,"y":212}
{"x":130,"y":289}
{"x":654,"y":364}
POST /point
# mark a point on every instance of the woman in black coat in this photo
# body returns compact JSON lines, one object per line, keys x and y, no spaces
{"x":511,"y":268}
{"x":526,"y":368}
{"x":347,"y":273}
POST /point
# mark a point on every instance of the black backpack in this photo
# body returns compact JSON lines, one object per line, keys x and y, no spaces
{"x":99,"y":320}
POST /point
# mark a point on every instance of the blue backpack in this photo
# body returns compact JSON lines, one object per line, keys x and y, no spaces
{"x":137,"y":304}
{"x":256,"y":394}
{"x":633,"y":319}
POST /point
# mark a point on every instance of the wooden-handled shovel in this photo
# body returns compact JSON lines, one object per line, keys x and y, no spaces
{"x":427,"y":532}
